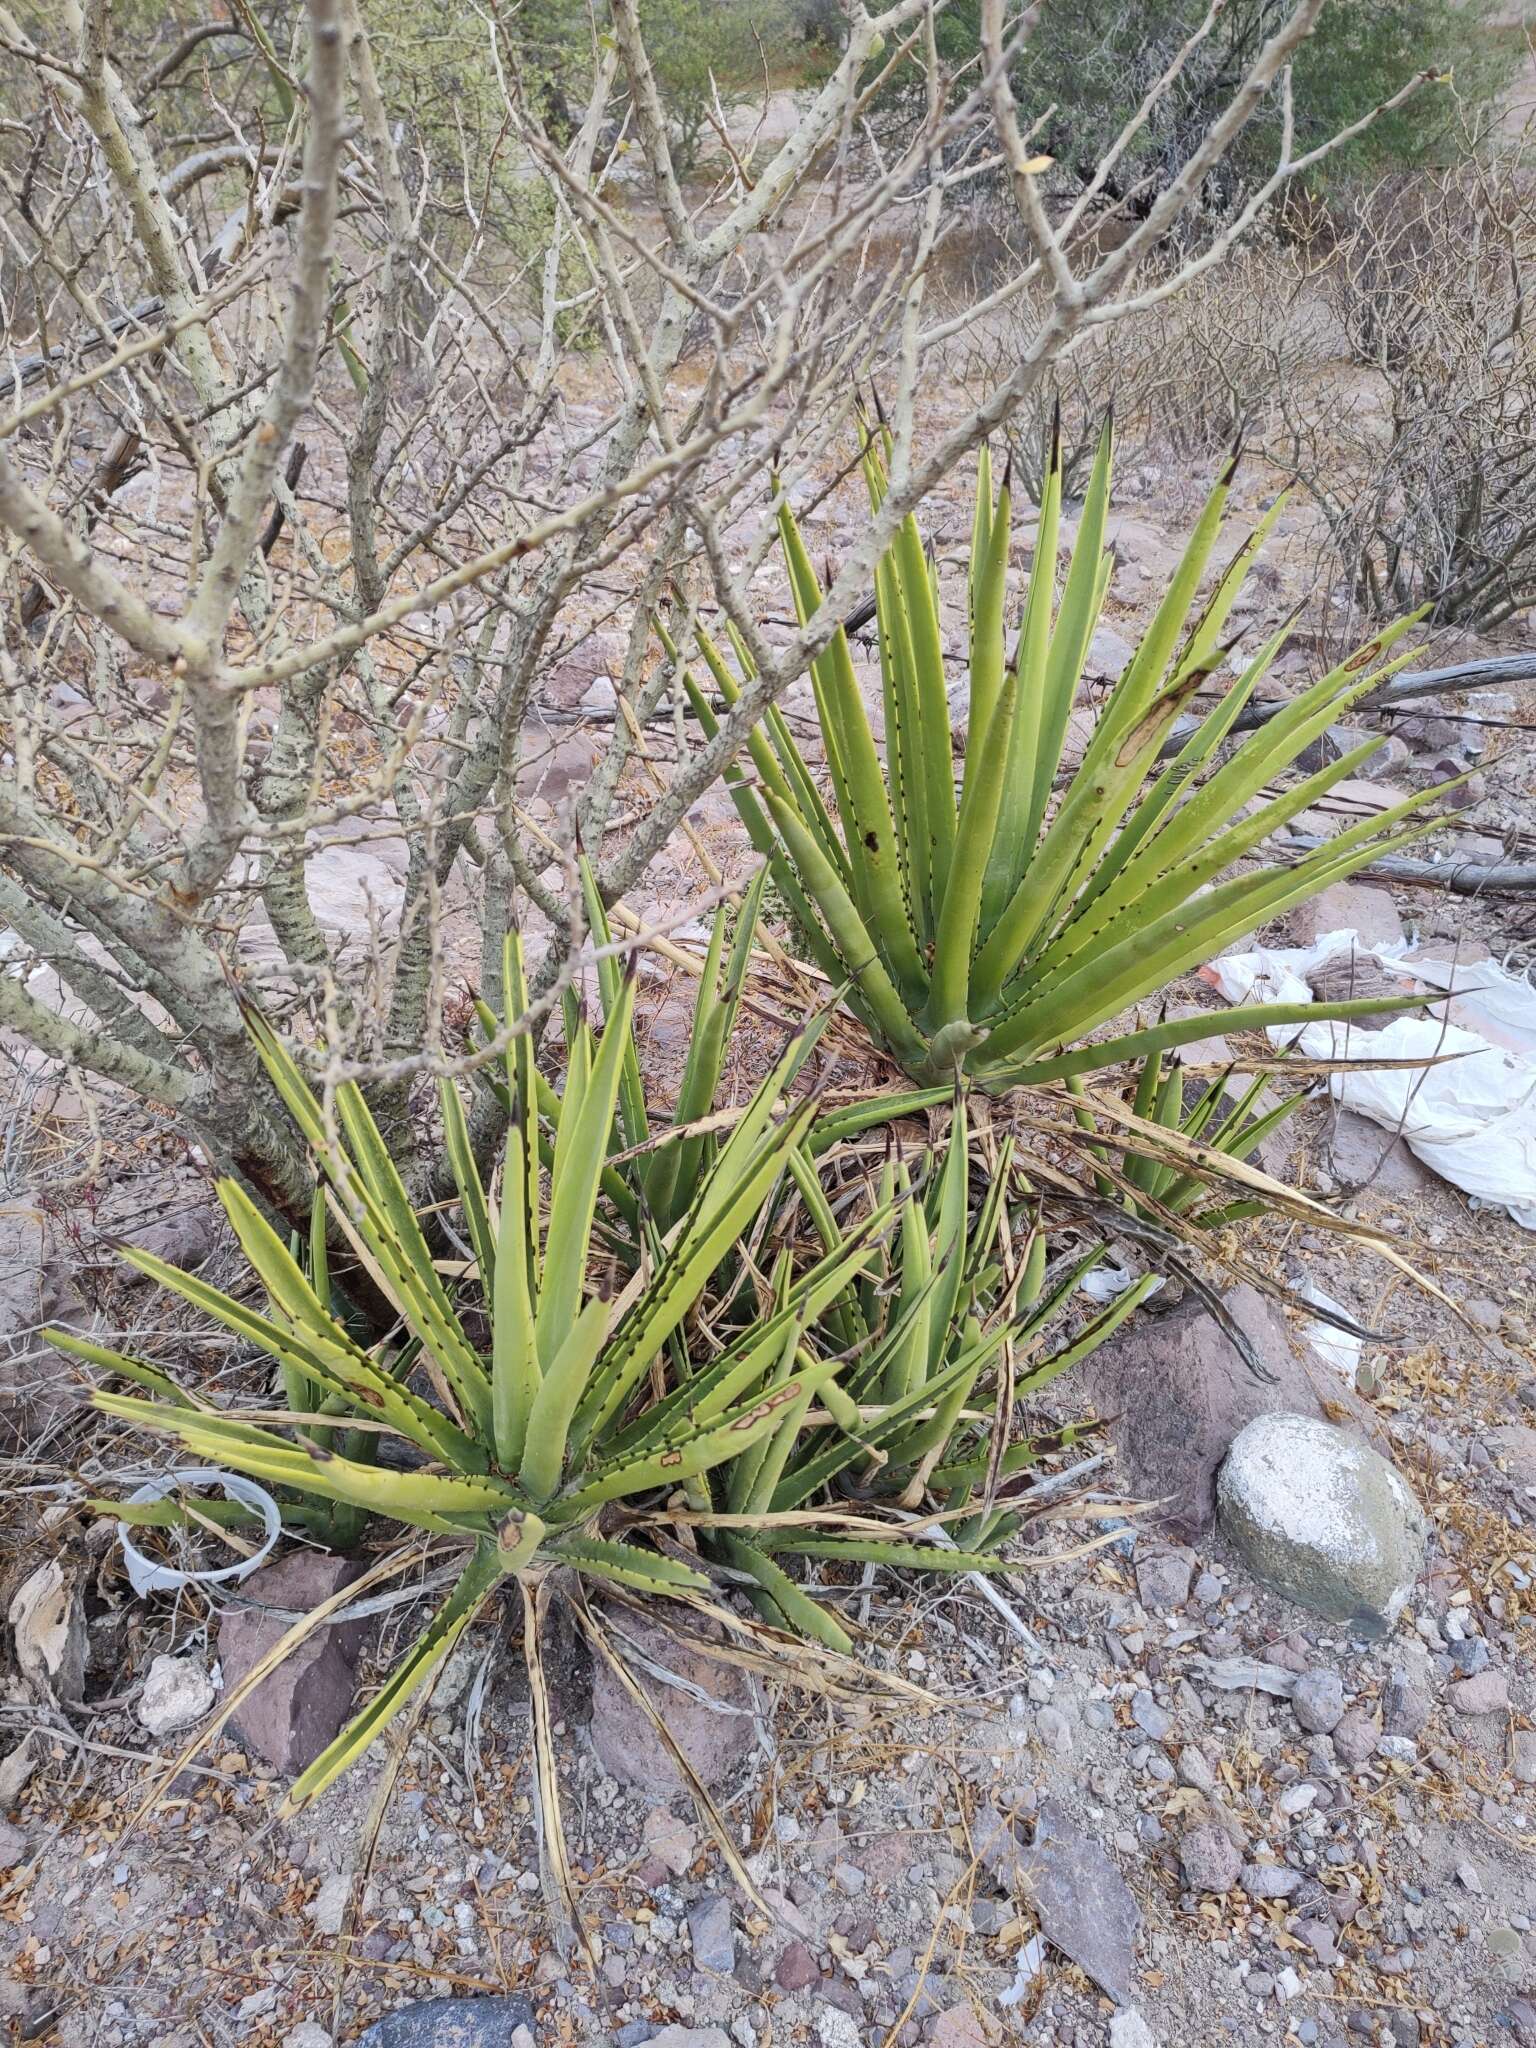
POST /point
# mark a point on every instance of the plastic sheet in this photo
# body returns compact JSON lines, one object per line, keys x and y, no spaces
{"x":1471,"y":1118}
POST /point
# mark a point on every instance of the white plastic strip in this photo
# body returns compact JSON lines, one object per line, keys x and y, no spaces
{"x":145,"y":1576}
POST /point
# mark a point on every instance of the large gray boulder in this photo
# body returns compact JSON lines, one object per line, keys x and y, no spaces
{"x":1322,"y":1519}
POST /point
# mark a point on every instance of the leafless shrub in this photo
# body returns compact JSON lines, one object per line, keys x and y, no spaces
{"x":1195,"y":373}
{"x":307,"y":502}
{"x":1420,"y":449}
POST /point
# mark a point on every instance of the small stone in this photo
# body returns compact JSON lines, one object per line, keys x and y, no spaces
{"x":1318,"y":1701}
{"x":1054,"y":1730}
{"x":670,"y":1839}
{"x":13,"y":1846}
{"x":1397,"y":1749}
{"x":1129,"y":2030}
{"x":1210,"y":1862}
{"x":177,"y":1692}
{"x":838,"y":2029}
{"x":1513,"y":1445}
{"x":1162,"y":1578}
{"x":796,"y":1968}
{"x":1320,"y":1938}
{"x":328,"y":1908}
{"x":960,"y":2026}
{"x":677,"y":2037}
{"x":1259,"y":1984}
{"x":490,"y":2022}
{"x":1404,"y":1708}
{"x":1323,"y":1519}
{"x":1296,"y":1799}
{"x":1355,"y":1738}
{"x":298,"y":1708}
{"x":1347,"y":907}
{"x":1486,"y":1693}
{"x":1195,"y":1770}
{"x":1084,"y":1906}
{"x":1208,"y":1589}
{"x":1522,"y":1756}
{"x":1270,"y":1880}
{"x":1109,"y":655}
{"x":307,"y":2034}
{"x":714,"y":1943}
{"x":1150,"y":1718}
{"x":717,"y":1740}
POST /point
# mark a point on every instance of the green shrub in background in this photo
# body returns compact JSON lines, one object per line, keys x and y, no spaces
{"x":1089,"y":67}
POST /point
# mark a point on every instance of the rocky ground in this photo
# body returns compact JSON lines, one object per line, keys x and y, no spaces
{"x":1143,"y":1799}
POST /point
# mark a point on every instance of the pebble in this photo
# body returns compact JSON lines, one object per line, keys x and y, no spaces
{"x":1129,"y":2030}
{"x":838,"y":2029}
{"x":714,"y":1943}
{"x":1269,"y":1880}
{"x":1210,"y":1862}
{"x":1487,"y":1693}
{"x":1318,"y":1701}
{"x":796,"y":1969}
{"x":1194,"y":1770}
{"x":1522,"y":1756}
{"x":1296,"y":1799}
{"x":177,"y":1692}
{"x":1054,"y":1730}
{"x":1355,"y":1738}
{"x":1149,"y":1717}
{"x":1398,"y":1749}
{"x":1162,"y":1578}
{"x":1404,"y":1708}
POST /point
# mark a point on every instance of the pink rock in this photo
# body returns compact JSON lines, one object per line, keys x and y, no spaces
{"x":298,"y":1708}
{"x":796,"y":1969}
{"x":1486,"y":1692}
{"x":715,"y":1740}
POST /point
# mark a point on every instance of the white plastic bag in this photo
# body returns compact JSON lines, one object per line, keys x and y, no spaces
{"x":1472,"y":1118}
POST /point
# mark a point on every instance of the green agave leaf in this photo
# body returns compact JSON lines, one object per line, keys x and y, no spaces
{"x":480,"y":1579}
{"x":785,"y":1601}
{"x":339,"y":1364}
{"x":737,"y":1429}
{"x":149,"y":1376}
{"x":424,"y":1498}
{"x":647,"y":1571}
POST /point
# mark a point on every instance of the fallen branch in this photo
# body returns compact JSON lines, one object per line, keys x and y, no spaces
{"x":1461,"y":877}
{"x":1421,"y":682}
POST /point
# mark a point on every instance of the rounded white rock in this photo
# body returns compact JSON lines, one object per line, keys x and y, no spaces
{"x":1322,"y":1519}
{"x":177,"y":1692}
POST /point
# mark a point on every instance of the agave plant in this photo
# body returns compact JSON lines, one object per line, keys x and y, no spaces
{"x":519,"y":1452}
{"x":948,"y":1303}
{"x":991,"y":931}
{"x":1222,"y":1125}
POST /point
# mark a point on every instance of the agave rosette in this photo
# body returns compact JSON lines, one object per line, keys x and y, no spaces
{"x":520,"y":1453}
{"x":993,"y":926}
